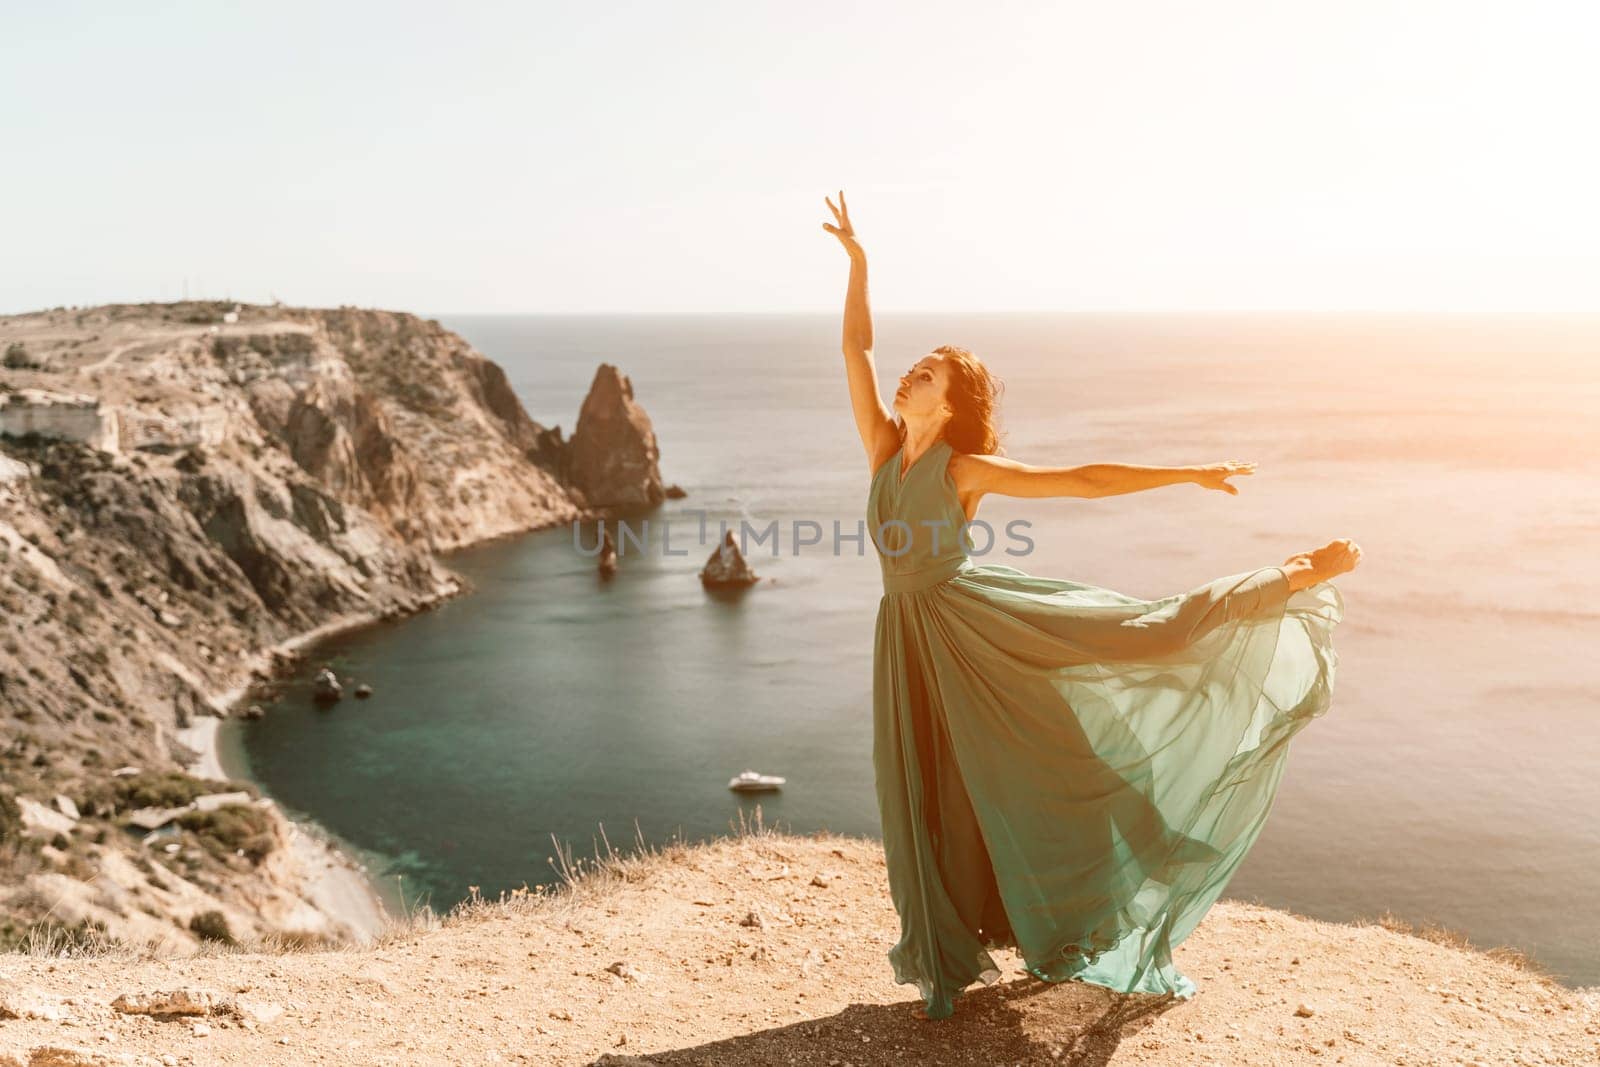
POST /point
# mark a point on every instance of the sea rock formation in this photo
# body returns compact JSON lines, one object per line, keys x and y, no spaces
{"x":613,"y":459}
{"x":326,"y":688}
{"x":726,"y":568}
{"x":185,"y":485}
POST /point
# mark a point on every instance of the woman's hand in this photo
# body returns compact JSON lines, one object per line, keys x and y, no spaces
{"x":1213,"y":476}
{"x":844,"y":231}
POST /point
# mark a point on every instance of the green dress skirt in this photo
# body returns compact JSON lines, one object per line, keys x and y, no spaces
{"x":1063,"y":769}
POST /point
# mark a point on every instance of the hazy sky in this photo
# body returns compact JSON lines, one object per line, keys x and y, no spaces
{"x":674,"y":156}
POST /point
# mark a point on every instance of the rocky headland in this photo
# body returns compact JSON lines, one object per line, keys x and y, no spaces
{"x":189,"y":494}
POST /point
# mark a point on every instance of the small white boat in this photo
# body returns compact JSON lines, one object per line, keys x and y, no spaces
{"x":751,"y":782}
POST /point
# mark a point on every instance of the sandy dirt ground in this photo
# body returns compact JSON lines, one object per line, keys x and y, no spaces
{"x":769,"y":948}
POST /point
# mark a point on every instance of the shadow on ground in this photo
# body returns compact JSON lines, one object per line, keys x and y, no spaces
{"x":1028,"y":1021}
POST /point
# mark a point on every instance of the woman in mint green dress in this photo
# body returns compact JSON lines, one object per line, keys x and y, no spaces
{"x":1061,"y":769}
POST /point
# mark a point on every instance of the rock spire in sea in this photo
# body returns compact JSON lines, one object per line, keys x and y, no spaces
{"x":727,"y":567}
{"x":613,"y":459}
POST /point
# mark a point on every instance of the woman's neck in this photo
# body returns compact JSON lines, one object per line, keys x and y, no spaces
{"x":919,"y":439}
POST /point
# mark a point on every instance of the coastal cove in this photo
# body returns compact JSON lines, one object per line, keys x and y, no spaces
{"x":542,"y":707}
{"x":189,"y":494}
{"x":338,"y":880}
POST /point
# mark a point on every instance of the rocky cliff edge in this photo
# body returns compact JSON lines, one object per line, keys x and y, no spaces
{"x":769,"y":948}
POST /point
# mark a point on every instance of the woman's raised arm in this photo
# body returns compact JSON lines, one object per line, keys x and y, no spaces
{"x":873,"y":420}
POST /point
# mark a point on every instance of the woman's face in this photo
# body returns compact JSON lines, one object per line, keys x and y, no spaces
{"x":922,"y":388}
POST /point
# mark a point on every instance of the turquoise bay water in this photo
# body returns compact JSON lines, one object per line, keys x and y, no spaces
{"x":1452,"y":781}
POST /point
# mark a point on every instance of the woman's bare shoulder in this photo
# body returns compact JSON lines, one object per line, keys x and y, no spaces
{"x":973,"y":467}
{"x":970,"y":472}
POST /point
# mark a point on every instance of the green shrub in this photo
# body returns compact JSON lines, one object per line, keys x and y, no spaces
{"x":167,"y":789}
{"x":231,"y":829}
{"x":211,"y":926}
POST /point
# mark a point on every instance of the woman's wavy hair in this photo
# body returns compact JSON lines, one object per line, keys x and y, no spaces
{"x":974,"y":394}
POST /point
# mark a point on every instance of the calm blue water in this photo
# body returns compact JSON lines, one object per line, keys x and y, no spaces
{"x":1452,"y":781}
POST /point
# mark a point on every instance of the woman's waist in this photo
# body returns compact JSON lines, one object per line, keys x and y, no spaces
{"x":922,"y":576}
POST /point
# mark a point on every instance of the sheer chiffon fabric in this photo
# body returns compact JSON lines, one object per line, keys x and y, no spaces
{"x":1063,"y":769}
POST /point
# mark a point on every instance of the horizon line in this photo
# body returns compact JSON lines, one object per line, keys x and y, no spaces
{"x":835,"y":311}
{"x":1063,"y":311}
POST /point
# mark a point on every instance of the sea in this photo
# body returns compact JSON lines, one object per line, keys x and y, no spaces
{"x":547,"y":716}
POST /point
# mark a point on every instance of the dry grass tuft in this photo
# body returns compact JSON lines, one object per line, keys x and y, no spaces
{"x":583,"y":878}
{"x":70,"y":942}
{"x":1441,"y":935}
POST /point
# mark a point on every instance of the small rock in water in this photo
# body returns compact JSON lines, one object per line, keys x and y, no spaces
{"x":326,"y":689}
{"x":726,"y":568}
{"x":363,"y":691}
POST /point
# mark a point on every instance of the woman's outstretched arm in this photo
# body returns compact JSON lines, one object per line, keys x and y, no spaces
{"x":977,"y":475}
{"x":873,"y":420}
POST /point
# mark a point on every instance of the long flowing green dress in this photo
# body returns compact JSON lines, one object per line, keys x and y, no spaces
{"x":1063,"y":769}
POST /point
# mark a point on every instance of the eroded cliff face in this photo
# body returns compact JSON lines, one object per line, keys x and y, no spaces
{"x":272,"y":475}
{"x":402,"y":418}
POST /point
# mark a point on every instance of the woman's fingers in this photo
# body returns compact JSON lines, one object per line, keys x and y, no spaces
{"x":839,"y":213}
